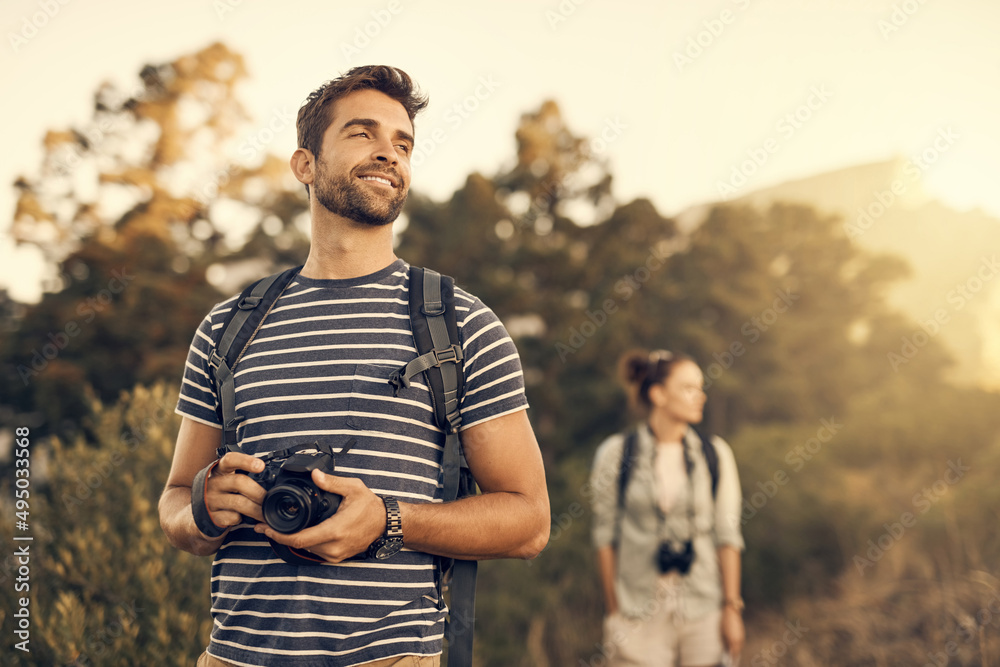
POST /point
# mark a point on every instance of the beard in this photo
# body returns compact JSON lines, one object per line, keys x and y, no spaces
{"x":347,"y":197}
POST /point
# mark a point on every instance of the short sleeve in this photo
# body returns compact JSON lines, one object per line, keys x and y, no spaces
{"x":494,"y":381}
{"x":197,"y":399}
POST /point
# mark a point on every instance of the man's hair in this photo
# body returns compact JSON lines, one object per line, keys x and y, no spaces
{"x":317,"y":111}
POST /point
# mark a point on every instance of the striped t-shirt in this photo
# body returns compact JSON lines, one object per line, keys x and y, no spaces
{"x":318,"y":370}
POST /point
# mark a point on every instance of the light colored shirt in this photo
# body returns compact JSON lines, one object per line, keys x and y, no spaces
{"x":644,"y":526}
{"x":671,"y":475}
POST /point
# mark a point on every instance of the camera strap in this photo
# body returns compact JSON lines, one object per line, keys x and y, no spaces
{"x":202,"y":517}
{"x":688,"y":469}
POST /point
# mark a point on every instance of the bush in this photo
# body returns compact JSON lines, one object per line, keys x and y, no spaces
{"x":106,"y":588}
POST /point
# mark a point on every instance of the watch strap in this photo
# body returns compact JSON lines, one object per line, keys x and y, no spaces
{"x":391,"y":540}
{"x":393,"y":518}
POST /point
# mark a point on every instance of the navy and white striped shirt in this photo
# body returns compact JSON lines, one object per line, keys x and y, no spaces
{"x":318,"y":370}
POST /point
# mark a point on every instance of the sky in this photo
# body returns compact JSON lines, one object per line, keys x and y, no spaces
{"x":691,"y":102}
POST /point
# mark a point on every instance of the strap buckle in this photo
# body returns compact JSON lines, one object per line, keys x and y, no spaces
{"x":452,"y":354}
{"x":249,"y":302}
{"x":398,"y":380}
{"x":454,"y":420}
{"x":215,"y":360}
{"x":433,"y":308}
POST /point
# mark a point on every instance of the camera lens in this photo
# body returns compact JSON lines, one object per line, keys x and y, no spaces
{"x":287,"y":508}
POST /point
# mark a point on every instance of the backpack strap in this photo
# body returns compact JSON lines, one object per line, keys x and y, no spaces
{"x":238,"y":329}
{"x":440,"y":358}
{"x":711,"y":459}
{"x":624,"y":474}
{"x":440,"y":355}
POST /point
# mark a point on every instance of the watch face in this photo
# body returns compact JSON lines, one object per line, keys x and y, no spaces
{"x":389,"y":547}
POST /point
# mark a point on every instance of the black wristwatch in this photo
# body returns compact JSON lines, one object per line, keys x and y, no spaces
{"x":392,"y":541}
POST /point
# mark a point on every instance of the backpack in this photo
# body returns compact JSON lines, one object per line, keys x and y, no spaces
{"x":628,"y":459}
{"x":439,"y":358}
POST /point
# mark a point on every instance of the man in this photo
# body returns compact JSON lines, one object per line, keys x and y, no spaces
{"x":317,"y":370}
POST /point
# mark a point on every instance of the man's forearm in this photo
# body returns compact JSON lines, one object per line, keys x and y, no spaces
{"x":490,"y":525}
{"x":178,"y":524}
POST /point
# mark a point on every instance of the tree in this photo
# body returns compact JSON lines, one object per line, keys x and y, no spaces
{"x":130,"y":212}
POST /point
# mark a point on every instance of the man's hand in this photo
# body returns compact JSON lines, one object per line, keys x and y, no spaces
{"x":359,"y":521}
{"x":229,"y":496}
{"x":509,"y":519}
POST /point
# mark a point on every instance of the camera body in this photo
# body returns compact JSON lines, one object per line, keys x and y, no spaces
{"x":293,"y":502}
{"x":670,"y":559}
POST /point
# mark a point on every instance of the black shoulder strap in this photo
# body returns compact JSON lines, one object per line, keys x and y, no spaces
{"x":624,"y":474}
{"x":439,"y":351}
{"x":238,"y":329}
{"x":440,"y":358}
{"x":711,"y":459}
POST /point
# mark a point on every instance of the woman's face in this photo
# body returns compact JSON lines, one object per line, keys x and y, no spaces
{"x":681,"y":396}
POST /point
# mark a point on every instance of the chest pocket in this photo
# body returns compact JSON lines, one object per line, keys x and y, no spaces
{"x":373,"y":406}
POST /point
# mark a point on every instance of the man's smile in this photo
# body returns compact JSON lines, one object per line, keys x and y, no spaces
{"x":379,"y":179}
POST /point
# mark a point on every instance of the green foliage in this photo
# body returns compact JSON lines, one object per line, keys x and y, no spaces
{"x":128,"y":319}
{"x":106,"y":587}
{"x":133,"y":272}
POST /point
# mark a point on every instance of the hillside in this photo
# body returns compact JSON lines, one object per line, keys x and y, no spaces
{"x":951,"y":254}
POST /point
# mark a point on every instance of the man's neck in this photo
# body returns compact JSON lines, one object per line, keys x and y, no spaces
{"x":343,"y":249}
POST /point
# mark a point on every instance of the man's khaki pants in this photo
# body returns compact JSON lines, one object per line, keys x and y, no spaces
{"x":206,"y":660}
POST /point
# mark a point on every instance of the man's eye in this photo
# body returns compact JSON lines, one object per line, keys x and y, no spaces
{"x":360,"y":134}
{"x":404,"y":148}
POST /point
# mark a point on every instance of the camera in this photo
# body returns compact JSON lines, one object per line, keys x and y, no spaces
{"x":292,"y":501}
{"x":670,"y":559}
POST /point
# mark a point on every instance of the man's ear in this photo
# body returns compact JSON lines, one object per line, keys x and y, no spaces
{"x":303,"y":165}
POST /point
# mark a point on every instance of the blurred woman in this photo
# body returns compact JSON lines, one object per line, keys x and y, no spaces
{"x":668,"y":532}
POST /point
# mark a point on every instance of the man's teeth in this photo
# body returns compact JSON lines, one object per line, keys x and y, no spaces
{"x":378,"y":179}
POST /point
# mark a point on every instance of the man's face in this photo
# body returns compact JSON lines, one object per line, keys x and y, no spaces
{"x":363,"y":170}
